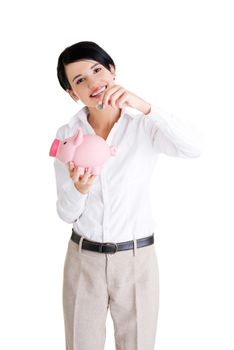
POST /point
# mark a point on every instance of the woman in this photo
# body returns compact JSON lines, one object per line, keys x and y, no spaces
{"x":111,"y":259}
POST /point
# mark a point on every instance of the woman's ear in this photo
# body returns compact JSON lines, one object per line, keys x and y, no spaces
{"x":73,"y":95}
{"x":112,"y":69}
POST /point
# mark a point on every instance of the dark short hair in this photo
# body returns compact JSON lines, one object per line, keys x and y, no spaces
{"x":79,"y":51}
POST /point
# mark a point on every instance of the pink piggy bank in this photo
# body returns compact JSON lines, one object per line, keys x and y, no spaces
{"x":84,"y":150}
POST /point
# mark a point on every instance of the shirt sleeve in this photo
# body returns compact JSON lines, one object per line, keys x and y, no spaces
{"x":70,"y":202}
{"x":172,"y":136}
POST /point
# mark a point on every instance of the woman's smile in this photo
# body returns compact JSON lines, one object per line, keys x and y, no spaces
{"x":98,"y":94}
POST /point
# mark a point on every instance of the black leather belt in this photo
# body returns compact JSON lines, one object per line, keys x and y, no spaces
{"x":111,"y":247}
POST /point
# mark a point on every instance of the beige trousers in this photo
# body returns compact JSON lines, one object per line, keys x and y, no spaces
{"x":127,"y":282}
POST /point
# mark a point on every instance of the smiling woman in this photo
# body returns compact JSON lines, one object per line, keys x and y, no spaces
{"x":84,"y":50}
{"x":111,"y":214}
{"x":87,"y":73}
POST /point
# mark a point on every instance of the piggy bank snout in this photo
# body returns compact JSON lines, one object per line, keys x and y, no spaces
{"x":54,"y":148}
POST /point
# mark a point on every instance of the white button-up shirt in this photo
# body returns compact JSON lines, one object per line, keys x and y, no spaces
{"x":117,"y":207}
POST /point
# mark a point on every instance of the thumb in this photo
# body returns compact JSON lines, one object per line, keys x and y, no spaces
{"x":71,"y":165}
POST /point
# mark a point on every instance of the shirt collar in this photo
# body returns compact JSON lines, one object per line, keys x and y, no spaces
{"x":83,"y":112}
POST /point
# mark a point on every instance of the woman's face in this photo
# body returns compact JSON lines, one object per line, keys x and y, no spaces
{"x":84,"y":77}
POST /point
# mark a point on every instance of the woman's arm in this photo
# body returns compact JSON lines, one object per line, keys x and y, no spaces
{"x":172,"y":136}
{"x":70,"y":202}
{"x":168,"y":134}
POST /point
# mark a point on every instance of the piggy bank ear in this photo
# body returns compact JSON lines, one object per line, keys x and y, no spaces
{"x":78,"y":137}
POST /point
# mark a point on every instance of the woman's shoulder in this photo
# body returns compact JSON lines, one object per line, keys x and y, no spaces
{"x":62,"y":132}
{"x":68,"y":129}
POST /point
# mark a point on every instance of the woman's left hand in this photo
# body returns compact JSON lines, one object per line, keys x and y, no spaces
{"x":118,"y":96}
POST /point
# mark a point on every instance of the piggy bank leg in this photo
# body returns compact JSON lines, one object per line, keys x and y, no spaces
{"x":96,"y":170}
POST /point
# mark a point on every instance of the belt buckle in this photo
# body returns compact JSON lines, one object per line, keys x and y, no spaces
{"x":109,"y":243}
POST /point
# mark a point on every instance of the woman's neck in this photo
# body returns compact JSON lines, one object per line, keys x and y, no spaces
{"x":103,"y":120}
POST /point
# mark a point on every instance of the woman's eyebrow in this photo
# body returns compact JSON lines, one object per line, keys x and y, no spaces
{"x":81,"y":74}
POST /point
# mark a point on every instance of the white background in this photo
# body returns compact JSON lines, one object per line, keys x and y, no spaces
{"x":177,"y":55}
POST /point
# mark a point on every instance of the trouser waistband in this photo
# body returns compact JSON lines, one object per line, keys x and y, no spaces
{"x":111,"y":247}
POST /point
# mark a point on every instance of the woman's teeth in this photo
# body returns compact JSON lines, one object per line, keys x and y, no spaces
{"x":99,"y":94}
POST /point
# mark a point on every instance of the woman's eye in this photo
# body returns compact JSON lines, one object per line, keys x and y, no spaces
{"x":97,"y":68}
{"x":78,"y":81}
{"x":65,"y":142}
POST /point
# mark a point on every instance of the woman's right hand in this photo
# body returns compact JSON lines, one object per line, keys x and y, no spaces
{"x":81,"y":182}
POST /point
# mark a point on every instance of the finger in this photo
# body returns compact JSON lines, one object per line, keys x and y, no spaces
{"x":71,"y":165}
{"x":71,"y":168}
{"x":92,"y":178}
{"x":123,"y":100}
{"x":80,"y":170}
{"x":116,"y":96}
{"x":108,"y":92}
{"x":86,"y":176}
{"x":113,"y":97}
{"x":73,"y":175}
{"x":78,"y":173}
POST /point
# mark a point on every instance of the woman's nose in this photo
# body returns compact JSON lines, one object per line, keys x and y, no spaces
{"x":92,"y":82}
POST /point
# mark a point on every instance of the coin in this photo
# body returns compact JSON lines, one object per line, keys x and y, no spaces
{"x":99,"y":106}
